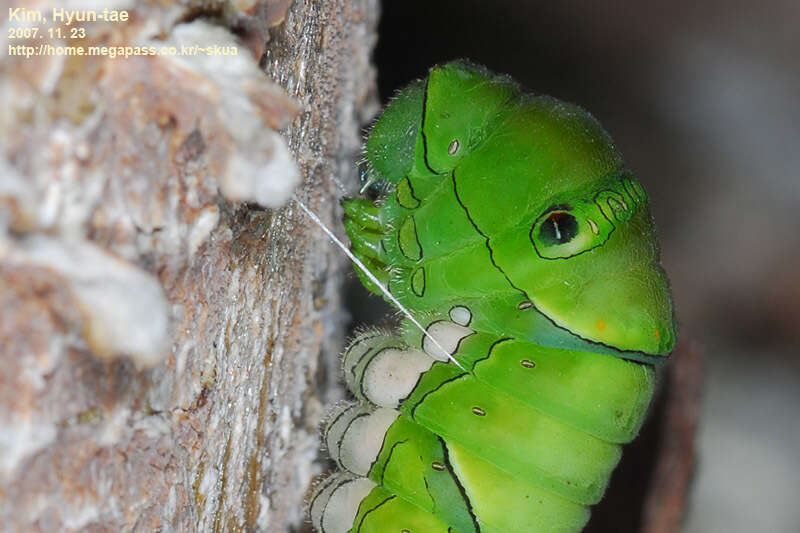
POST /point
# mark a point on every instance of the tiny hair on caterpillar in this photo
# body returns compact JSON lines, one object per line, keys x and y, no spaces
{"x":524,"y":252}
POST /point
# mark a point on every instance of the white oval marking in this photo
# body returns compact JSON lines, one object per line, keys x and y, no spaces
{"x":339,"y":418}
{"x":363,"y":439}
{"x":447,"y":335}
{"x":342,"y":507}
{"x":392,"y":375}
{"x":461,"y":315}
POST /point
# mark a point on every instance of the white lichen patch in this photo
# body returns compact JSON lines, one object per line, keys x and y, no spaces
{"x":123,"y":307}
{"x":260,"y":168}
{"x":204,"y":224}
{"x":20,"y":439}
{"x":77,"y":518}
{"x":114,"y":425}
{"x":18,"y":204}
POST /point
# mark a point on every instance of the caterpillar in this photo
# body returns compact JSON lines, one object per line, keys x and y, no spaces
{"x":510,"y":228}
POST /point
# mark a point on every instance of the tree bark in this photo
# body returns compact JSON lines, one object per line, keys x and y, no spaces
{"x":167,"y":344}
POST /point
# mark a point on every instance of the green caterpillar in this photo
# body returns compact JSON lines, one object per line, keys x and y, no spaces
{"x":510,"y":228}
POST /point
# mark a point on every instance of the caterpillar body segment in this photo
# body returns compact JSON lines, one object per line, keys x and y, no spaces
{"x":344,"y":503}
{"x":513,"y":435}
{"x":511,"y":230}
{"x":527,"y":196}
{"x":446,"y":480}
{"x":604,"y":396}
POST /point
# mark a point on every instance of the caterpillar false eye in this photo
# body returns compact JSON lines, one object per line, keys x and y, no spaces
{"x":558,"y":228}
{"x":502,"y":402}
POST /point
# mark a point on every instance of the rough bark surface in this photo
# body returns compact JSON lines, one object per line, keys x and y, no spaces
{"x":167,"y":346}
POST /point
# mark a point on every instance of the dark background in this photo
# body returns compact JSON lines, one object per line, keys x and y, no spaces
{"x":704,"y":103}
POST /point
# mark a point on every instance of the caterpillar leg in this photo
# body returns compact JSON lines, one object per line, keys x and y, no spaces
{"x":441,"y":477}
{"x":334,"y":505}
{"x":458,"y":446}
{"x":362,"y":212}
{"x":365,"y":232}
{"x":513,"y":435}
{"x":382,"y":369}
{"x":344,"y":503}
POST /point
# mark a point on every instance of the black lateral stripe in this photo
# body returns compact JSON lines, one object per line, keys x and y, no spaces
{"x":424,"y":285}
{"x":364,"y":517}
{"x":389,"y":457}
{"x":419,"y":378}
{"x":485,"y":237}
{"x":489,"y":352}
{"x":442,"y":384}
{"x":377,"y":456}
{"x":416,"y":237}
{"x":422,"y":126}
{"x":428,"y":489}
{"x":411,"y":189}
{"x":461,"y":488}
{"x":464,"y":207}
{"x":458,"y":344}
{"x":637,"y":355}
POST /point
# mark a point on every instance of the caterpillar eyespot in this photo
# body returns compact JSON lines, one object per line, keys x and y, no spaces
{"x":537,"y":310}
{"x":559,"y":227}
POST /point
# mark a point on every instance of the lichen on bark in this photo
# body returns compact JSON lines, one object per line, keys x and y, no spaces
{"x":130,"y":157}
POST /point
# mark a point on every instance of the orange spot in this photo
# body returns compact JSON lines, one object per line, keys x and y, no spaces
{"x":656,"y":334}
{"x":601,"y":324}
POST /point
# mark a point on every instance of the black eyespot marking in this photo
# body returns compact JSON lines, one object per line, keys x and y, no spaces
{"x":558,"y":228}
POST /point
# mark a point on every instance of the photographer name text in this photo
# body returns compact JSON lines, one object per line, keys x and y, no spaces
{"x":65,"y":16}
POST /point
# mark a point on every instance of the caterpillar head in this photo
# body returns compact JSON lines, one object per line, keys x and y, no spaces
{"x":596,"y":268}
{"x":544,"y":186}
